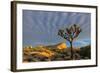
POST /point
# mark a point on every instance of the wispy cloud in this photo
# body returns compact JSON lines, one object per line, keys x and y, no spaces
{"x":80,"y":43}
{"x":42,"y":26}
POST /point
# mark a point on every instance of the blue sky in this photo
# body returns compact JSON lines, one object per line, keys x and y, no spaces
{"x":41,"y":27}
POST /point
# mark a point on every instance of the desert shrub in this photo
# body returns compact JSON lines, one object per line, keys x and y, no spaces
{"x":85,"y":52}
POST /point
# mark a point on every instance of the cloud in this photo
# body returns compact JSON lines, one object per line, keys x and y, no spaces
{"x":43,"y":26}
{"x":80,"y":43}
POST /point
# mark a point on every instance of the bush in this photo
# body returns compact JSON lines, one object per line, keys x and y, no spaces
{"x":85,"y":52}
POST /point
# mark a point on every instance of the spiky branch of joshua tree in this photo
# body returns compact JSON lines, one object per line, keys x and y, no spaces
{"x":70,"y":34}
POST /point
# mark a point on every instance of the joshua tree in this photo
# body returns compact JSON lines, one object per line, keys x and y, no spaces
{"x":70,"y":34}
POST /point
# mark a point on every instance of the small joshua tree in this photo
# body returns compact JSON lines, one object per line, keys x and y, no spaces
{"x":70,"y":34}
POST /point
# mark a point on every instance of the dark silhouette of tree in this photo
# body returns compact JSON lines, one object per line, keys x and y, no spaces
{"x":70,"y":34}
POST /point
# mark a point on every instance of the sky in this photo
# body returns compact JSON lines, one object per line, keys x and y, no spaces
{"x":41,"y":27}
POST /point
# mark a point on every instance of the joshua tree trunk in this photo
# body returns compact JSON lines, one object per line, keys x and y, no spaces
{"x":70,"y":34}
{"x":71,"y":50}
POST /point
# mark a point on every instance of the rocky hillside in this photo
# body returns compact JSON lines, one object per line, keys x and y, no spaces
{"x":55,"y":52}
